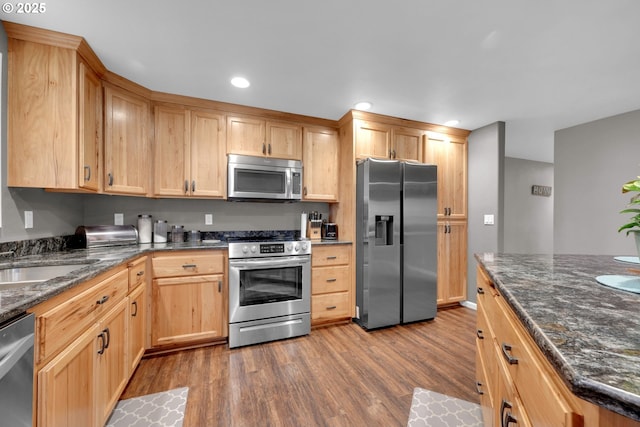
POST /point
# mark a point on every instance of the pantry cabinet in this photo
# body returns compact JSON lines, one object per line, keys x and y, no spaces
{"x":54,"y":115}
{"x":257,"y":137}
{"x":188,"y":298}
{"x":320,"y":160}
{"x":449,"y":153}
{"x":126,"y":145}
{"x":189,"y":153}
{"x":452,"y":262}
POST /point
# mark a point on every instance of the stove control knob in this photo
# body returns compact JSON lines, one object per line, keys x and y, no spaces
{"x":289,"y":247}
{"x":304,"y":246}
{"x":245,"y":249}
{"x":296,"y":247}
{"x":254,"y":248}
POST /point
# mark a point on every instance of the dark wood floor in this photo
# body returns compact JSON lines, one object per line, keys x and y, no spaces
{"x":336,"y":376}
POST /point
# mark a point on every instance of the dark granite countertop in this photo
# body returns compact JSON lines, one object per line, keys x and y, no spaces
{"x":589,"y":332}
{"x":92,"y":262}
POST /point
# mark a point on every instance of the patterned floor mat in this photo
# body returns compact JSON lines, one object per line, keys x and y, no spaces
{"x":164,"y":409}
{"x":432,"y":409}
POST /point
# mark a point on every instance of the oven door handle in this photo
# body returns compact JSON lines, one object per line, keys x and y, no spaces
{"x":292,"y":261}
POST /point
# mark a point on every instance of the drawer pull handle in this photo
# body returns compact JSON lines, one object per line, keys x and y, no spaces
{"x":332,"y":280}
{"x":102,"y":341}
{"x":506,"y":352}
{"x":189,"y":265}
{"x":506,"y":419}
{"x":103,"y":300}
{"x":140,"y":273}
{"x":479,"y":334}
{"x":480,"y":291}
{"x":135,"y":313}
{"x":332,"y":307}
{"x":332,"y":257}
{"x":479,"y":388}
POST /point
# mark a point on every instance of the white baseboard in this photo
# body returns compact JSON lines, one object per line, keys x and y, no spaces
{"x":469,"y":304}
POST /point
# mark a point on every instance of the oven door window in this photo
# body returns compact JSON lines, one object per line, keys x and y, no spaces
{"x":269,"y":285}
{"x":255,"y":181}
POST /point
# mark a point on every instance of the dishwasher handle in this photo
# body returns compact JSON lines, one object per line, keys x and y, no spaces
{"x":14,"y":353}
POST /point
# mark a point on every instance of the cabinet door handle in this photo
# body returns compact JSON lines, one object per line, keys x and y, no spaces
{"x":269,"y":151}
{"x":87,"y":173}
{"x":304,"y":191}
{"x":108,"y":333}
{"x":479,"y":334}
{"x":478,"y":388}
{"x":480,"y":291}
{"x":264,"y":148}
{"x":103,"y":300}
{"x":506,"y":419}
{"x":110,"y":179}
{"x":332,"y":307}
{"x":102,"y":341}
{"x":140,"y":273}
{"x":135,"y":304}
{"x":333,"y":279}
{"x":394,"y":154}
{"x":185,"y":266}
{"x":193,"y":186}
{"x":186,"y":186}
{"x":506,"y":352}
{"x":219,"y":286}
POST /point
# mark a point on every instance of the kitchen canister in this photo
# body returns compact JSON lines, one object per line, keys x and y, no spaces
{"x":177,"y":233}
{"x":144,"y":228}
{"x":160,"y":230}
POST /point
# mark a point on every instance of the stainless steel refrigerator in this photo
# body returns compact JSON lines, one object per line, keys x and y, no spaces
{"x":396,"y":238}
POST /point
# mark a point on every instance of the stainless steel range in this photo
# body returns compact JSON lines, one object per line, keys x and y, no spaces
{"x":269,"y":291}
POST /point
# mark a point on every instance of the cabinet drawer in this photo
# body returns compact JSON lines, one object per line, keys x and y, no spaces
{"x":547,"y":401}
{"x":137,"y":272}
{"x":330,"y":306}
{"x":330,"y":279}
{"x":322,"y":255}
{"x":62,"y":324}
{"x":188,"y":264}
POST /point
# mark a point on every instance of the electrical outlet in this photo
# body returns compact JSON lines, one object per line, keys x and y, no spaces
{"x":488,"y":219}
{"x":208,"y":219}
{"x":28,"y":219}
{"x":118,"y":219}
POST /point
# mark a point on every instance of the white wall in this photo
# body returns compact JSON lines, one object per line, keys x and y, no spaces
{"x":592,"y":161}
{"x":528,"y":219}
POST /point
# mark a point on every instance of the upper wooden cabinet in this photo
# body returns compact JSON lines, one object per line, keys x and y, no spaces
{"x":54,"y":111}
{"x":450,"y":154}
{"x":126,"y":145}
{"x":320,"y":162}
{"x":383,"y":141}
{"x":189,"y":153}
{"x":256,"y":137}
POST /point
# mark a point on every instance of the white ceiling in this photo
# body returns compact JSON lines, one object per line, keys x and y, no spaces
{"x":538,"y":65}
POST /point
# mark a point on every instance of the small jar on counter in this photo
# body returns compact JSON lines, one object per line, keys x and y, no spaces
{"x":144,"y":228}
{"x":177,"y":233}
{"x":160,"y":230}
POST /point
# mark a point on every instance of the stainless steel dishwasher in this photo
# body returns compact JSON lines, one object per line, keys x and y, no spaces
{"x":16,"y":371}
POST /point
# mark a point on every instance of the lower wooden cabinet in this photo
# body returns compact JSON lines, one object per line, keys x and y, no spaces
{"x":330,"y":283}
{"x":189,"y":293}
{"x":137,"y":319}
{"x":452,"y":262}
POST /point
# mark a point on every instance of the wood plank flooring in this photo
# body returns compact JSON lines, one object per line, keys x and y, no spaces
{"x":336,"y":376}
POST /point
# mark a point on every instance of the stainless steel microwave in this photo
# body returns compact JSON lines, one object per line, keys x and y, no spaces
{"x":263,"y":178}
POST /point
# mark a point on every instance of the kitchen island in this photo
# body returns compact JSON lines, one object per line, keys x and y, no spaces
{"x":589,"y":333}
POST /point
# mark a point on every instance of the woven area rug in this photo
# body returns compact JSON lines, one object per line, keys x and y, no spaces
{"x":164,"y":409}
{"x":432,"y":409}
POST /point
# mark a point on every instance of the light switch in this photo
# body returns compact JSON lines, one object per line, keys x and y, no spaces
{"x":118,"y":219}
{"x":28,"y":219}
{"x":488,"y":219}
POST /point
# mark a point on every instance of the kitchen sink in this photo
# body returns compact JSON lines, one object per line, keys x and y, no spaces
{"x":20,"y":276}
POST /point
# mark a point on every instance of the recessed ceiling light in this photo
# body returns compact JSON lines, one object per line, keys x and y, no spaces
{"x":364,"y":105}
{"x":451,"y":122}
{"x":240,"y":82}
